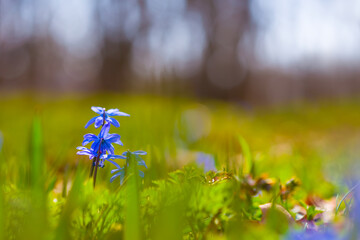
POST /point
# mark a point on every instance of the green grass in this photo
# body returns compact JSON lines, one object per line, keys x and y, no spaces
{"x":46,"y":194}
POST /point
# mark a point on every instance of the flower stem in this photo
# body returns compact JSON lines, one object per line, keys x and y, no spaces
{"x":96,"y":167}
{"x":97,"y":159}
{"x":95,"y":162}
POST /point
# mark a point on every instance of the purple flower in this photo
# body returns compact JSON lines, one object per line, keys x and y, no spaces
{"x":105,"y":116}
{"x":103,"y":142}
{"x":206,"y":161}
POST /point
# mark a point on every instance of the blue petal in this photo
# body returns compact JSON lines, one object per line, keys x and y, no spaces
{"x":107,"y":147}
{"x":142,"y":163}
{"x":116,"y":165}
{"x":99,"y":121}
{"x":92,"y":120}
{"x":89,"y":138}
{"x":140,"y":152}
{"x":81,"y":148}
{"x":114,"y":122}
{"x":116,"y":112}
{"x":104,"y":131}
{"x":115,"y":176}
{"x":114,"y":170}
{"x":85,"y":150}
{"x":84,"y":153}
{"x":141,"y":173}
{"x":113,"y":138}
{"x":95,"y":146}
{"x":111,"y":156}
{"x":98,"y":110}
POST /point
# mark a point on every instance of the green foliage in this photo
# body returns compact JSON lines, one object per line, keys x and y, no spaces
{"x":45,"y":192}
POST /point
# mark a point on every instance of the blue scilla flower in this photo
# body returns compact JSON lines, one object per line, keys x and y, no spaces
{"x":88,"y":152}
{"x":120,"y":171}
{"x":102,"y":142}
{"x":105,"y":116}
{"x":108,"y":158}
{"x":92,"y":154}
{"x":136,"y":154}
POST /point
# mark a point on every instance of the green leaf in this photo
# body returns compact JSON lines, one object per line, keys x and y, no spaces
{"x":248,"y":161}
{"x":132,"y":207}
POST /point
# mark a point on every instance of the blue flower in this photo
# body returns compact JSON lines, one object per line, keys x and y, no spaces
{"x":88,"y":152}
{"x":103,"y":142}
{"x":108,"y":157}
{"x":120,"y":171}
{"x":140,"y":161}
{"x":105,"y":116}
{"x":92,"y":154}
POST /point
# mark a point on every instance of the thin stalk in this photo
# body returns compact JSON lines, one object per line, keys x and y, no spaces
{"x":345,"y":196}
{"x":95,"y":162}
{"x":96,"y":167}
{"x":97,"y":159}
{"x":92,"y":167}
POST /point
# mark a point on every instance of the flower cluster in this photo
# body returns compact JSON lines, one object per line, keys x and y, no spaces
{"x":102,"y":150}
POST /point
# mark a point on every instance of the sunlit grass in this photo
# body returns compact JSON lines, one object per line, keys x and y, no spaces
{"x":44,"y":180}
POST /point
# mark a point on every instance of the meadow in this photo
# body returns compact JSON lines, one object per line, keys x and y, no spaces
{"x":213,"y":168}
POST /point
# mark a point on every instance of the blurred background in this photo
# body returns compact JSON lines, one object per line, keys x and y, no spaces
{"x":256,"y":52}
{"x":189,"y":73}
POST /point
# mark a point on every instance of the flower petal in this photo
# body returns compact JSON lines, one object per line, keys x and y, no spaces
{"x":98,"y":110}
{"x":89,"y":138}
{"x":95,"y":146}
{"x":105,"y":146}
{"x":139,"y":152}
{"x":98,"y":121}
{"x":104,"y":131}
{"x":115,"y":163}
{"x":116,"y":112}
{"x":115,"y":176}
{"x":141,"y":173}
{"x":114,"y":122}
{"x":83,"y":153}
{"x":82,"y":148}
{"x":113,"y":138}
{"x":111,"y":156}
{"x":92,"y":120}
{"x":142,"y":163}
